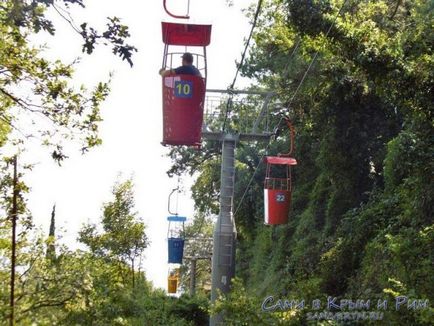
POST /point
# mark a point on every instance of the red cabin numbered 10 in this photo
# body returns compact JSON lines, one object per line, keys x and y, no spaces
{"x":184,"y":94}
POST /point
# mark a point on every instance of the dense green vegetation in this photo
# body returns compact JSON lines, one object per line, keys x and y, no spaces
{"x":361,"y":225}
{"x":54,"y":285}
{"x":59,"y":286}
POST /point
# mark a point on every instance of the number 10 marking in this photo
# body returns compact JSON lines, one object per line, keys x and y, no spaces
{"x":183,"y":89}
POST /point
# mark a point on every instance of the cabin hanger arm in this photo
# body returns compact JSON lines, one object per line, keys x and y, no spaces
{"x":173,"y":15}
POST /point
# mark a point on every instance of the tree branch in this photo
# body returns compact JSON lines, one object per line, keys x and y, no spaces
{"x":67,"y":19}
{"x":398,"y":4}
{"x":48,"y":303}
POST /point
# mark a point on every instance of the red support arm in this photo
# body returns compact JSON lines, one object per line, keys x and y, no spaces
{"x":292,"y":137}
{"x":172,"y":15}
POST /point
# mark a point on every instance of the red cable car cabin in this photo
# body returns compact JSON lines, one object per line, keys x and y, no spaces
{"x":277,"y":190}
{"x":184,"y":95}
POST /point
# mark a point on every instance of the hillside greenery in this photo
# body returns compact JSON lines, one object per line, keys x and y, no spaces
{"x":356,"y":77}
{"x":361,"y":223}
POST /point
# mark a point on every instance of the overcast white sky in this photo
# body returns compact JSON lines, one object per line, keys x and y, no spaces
{"x":132,"y":127}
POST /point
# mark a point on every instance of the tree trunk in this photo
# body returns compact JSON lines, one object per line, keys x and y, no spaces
{"x":132,"y":268}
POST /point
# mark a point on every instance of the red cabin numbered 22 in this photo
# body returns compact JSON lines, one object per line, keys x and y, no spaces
{"x":278,"y":189}
{"x":278,"y":184}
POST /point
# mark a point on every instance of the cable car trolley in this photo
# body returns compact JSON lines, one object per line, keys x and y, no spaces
{"x":184,"y":95}
{"x":278,"y":184}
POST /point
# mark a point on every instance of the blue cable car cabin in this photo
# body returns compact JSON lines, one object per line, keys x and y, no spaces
{"x":175,"y":239}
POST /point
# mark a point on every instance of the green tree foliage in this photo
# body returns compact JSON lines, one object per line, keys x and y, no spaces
{"x":59,"y":286}
{"x":123,"y":238}
{"x":198,"y":246}
{"x":37,"y":92}
{"x":240,"y":308}
{"x":362,"y":212}
{"x":39,"y":100}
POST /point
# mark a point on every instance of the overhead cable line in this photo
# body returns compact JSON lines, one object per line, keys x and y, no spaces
{"x":289,"y":105}
{"x":285,"y":73}
{"x":231,"y":87}
{"x":255,"y":20}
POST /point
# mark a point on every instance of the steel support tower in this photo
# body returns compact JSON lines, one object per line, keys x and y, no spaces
{"x":225,"y":234}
